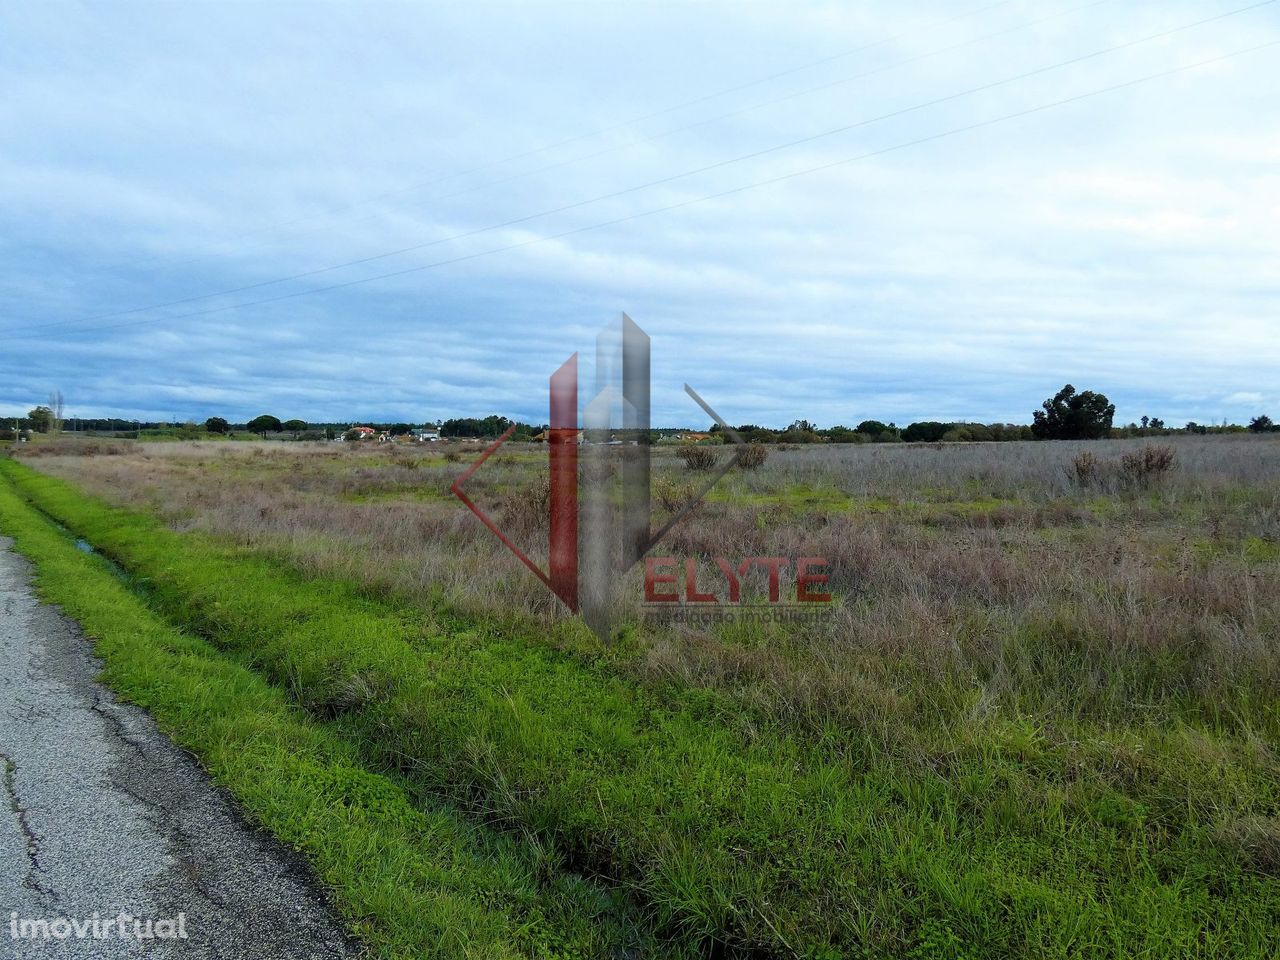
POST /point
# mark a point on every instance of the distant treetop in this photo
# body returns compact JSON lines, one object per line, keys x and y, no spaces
{"x":1069,"y":415}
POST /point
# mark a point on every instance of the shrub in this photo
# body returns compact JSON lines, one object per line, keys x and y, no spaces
{"x":1135,"y":470}
{"x":672,"y":494}
{"x":751,"y":456}
{"x":698,"y":458}
{"x":1142,"y":468}
{"x":1085,"y":470}
{"x":524,"y":510}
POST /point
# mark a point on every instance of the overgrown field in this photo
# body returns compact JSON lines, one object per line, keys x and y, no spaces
{"x":1044,"y":720}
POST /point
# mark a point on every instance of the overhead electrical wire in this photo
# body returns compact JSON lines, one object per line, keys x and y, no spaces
{"x":622,"y":124}
{"x":739,"y":111}
{"x":563,"y":208}
{"x":931,"y":138}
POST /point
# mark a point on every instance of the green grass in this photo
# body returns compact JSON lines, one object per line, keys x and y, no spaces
{"x":799,"y":500}
{"x":412,"y":880}
{"x":420,"y":494}
{"x":949,"y":830}
{"x":183,"y":434}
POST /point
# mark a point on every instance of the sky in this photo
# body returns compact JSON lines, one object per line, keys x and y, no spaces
{"x":829,"y":211}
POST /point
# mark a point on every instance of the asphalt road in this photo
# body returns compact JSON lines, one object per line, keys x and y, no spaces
{"x":102,"y":814}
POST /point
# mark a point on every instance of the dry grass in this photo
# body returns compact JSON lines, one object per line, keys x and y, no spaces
{"x":1044,"y":710}
{"x":1010,"y":568}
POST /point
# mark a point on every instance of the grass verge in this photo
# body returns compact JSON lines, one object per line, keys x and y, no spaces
{"x":410,"y":881}
{"x":1016,"y":839}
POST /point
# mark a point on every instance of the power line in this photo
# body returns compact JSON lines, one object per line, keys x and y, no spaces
{"x":722,"y":116}
{"x":588,"y":135}
{"x":564,"y":208}
{"x":946,"y":134}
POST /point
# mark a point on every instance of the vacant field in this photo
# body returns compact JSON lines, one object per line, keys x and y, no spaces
{"x":1044,"y":720}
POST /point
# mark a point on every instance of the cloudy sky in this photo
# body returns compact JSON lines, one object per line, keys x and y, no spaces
{"x":348,"y":211}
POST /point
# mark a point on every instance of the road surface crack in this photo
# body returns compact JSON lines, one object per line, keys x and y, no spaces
{"x":107,"y":712}
{"x":164,"y":817}
{"x":32,"y":839}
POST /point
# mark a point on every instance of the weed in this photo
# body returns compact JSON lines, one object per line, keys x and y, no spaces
{"x":697,"y":458}
{"x":671,"y":494}
{"x":1133,"y":470}
{"x":1086,"y":469}
{"x":751,"y":456}
{"x":1142,"y":468}
{"x":411,"y":875}
{"x":1034,"y":733}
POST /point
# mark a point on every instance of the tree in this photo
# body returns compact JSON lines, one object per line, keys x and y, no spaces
{"x":264,"y":424}
{"x":879,"y":432}
{"x":294,"y":426}
{"x":1261,"y":424}
{"x":216,"y":425}
{"x":843,"y":434}
{"x":491,"y":426}
{"x":1074,"y":416}
{"x":968,"y":433}
{"x":41,"y":419}
{"x":926,"y":431}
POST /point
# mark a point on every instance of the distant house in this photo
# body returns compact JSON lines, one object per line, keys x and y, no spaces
{"x":693,"y":437}
{"x":545,"y":436}
{"x":429,"y":435}
{"x":364,"y":432}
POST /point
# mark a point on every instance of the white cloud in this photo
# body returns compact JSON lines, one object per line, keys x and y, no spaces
{"x":1126,"y":242}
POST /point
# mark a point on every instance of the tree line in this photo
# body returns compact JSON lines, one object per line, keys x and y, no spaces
{"x":1067,"y":415}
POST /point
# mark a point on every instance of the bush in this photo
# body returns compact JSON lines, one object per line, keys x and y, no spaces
{"x":672,"y":495}
{"x":524,"y":510}
{"x":698,"y":458}
{"x":1086,"y":470}
{"x":751,"y":456}
{"x":1135,"y":470}
{"x":1141,"y":468}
